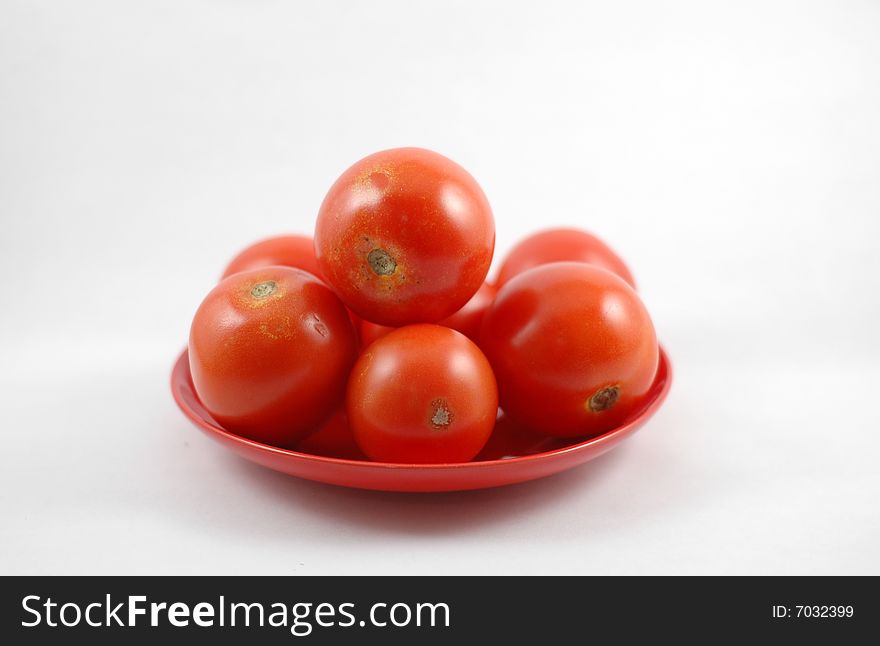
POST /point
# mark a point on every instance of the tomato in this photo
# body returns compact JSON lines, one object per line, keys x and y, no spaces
{"x":270,"y":351}
{"x":405,"y":236}
{"x":333,"y":440}
{"x":467,"y":320}
{"x":422,"y":394}
{"x":573,"y":349}
{"x":289,"y":251}
{"x":556,"y":245}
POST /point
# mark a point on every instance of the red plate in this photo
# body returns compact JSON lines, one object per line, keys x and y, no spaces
{"x":511,"y":456}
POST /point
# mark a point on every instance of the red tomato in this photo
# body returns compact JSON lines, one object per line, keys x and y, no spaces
{"x":270,"y":351}
{"x":289,"y":251}
{"x":557,"y":245}
{"x":467,"y":320}
{"x":573,"y":349}
{"x":422,"y":394}
{"x":333,"y":440}
{"x":405,"y":236}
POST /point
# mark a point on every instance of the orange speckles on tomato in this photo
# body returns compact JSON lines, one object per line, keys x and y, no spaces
{"x":259,"y":293}
{"x":277,"y":328}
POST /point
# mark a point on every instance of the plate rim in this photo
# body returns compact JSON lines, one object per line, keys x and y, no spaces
{"x":180,"y":369}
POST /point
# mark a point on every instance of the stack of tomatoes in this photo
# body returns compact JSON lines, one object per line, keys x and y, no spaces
{"x":381,"y":338}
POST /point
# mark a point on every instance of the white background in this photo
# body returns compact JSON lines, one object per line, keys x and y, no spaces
{"x":730,"y":152}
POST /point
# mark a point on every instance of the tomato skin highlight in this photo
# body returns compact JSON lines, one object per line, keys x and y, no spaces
{"x":422,"y":394}
{"x":405,"y":236}
{"x":287,"y":250}
{"x":561,"y":245}
{"x":573,"y":349}
{"x":270,"y":351}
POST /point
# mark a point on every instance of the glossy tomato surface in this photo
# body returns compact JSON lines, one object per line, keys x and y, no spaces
{"x":422,"y":394}
{"x":288,"y":251}
{"x":573,"y":349}
{"x":270,"y":350}
{"x":405,"y":236}
{"x":559,"y":245}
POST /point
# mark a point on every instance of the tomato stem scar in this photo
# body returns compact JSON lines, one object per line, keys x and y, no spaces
{"x":264,"y":289}
{"x":442,"y":415}
{"x":381,"y":262}
{"x":604,"y":398}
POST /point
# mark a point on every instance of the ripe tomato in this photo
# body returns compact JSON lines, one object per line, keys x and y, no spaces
{"x":573,"y":349}
{"x":270,"y":350}
{"x":422,"y":394}
{"x":289,"y":251}
{"x":557,"y":245}
{"x":404,"y":236}
{"x":467,"y":320}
